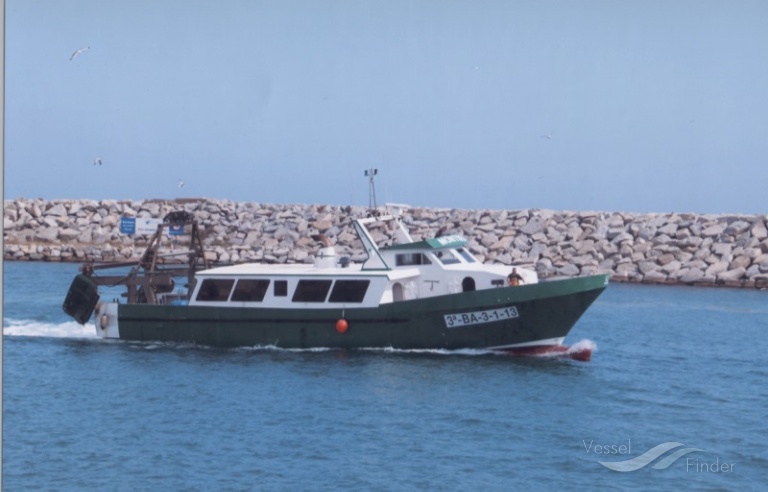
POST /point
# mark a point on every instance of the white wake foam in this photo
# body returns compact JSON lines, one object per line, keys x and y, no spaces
{"x":384,"y":350}
{"x":582,"y":345}
{"x":31,"y":328}
{"x":468,"y":351}
{"x":259,"y":348}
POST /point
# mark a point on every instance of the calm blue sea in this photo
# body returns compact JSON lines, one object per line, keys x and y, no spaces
{"x":673,"y":365}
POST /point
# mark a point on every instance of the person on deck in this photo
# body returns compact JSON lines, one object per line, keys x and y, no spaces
{"x":514,"y":278}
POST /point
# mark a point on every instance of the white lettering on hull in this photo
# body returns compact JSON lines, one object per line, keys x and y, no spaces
{"x":479,"y":317}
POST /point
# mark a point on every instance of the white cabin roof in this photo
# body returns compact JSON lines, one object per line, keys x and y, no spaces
{"x":250,"y":269}
{"x":306,"y":270}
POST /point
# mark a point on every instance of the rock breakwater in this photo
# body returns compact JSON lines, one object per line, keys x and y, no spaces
{"x":671,"y":248}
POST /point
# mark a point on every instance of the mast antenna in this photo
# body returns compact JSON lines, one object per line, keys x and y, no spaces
{"x":370,"y":173}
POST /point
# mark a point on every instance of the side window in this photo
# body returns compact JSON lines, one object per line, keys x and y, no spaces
{"x":349,"y":291}
{"x":250,"y":290}
{"x":405,"y":259}
{"x":312,"y":290}
{"x":281,"y":288}
{"x":215,"y":289}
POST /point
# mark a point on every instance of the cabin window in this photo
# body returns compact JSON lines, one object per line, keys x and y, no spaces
{"x":406,"y":259}
{"x":312,"y":290}
{"x":250,"y":290}
{"x":349,"y":291}
{"x":281,"y":288}
{"x":215,"y":289}
{"x":446,"y":257}
{"x":465,"y":254}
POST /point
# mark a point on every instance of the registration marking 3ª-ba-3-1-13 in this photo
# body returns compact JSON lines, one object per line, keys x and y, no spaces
{"x":478,"y":317}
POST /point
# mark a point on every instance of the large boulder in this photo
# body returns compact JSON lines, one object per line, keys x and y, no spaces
{"x":759,"y":230}
{"x":57,"y":209}
{"x":713,"y":230}
{"x":716,"y":268}
{"x":690,"y":275}
{"x":731,"y":275}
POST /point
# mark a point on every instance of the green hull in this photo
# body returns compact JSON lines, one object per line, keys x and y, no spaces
{"x":493,"y":318}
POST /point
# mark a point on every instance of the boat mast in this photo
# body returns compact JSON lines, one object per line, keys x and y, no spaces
{"x":370,"y":173}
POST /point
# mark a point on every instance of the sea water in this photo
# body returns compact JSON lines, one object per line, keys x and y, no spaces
{"x":676,"y":395}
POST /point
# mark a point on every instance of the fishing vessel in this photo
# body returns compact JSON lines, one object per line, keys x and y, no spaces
{"x":408,"y":294}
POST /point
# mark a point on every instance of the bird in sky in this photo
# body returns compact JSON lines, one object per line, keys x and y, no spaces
{"x":97,"y":161}
{"x":181,"y":183}
{"x":548,"y":136}
{"x":79,"y":52}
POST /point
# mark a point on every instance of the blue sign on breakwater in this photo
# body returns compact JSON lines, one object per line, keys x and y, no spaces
{"x":128,"y":225}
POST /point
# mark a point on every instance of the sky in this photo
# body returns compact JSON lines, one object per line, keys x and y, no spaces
{"x":613,"y":105}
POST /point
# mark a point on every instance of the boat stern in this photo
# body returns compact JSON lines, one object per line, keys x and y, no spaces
{"x":105,"y":319}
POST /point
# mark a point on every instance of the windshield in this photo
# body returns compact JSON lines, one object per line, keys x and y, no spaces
{"x":447,"y":257}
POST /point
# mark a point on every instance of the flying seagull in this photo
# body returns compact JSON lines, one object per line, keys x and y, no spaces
{"x":97,"y":162}
{"x":181,"y":183}
{"x":79,"y":52}
{"x":548,"y":136}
